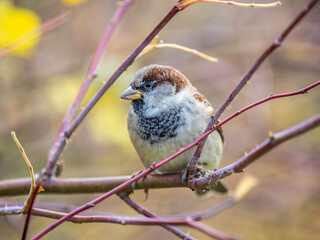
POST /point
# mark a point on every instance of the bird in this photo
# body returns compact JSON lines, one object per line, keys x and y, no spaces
{"x":166,"y":114}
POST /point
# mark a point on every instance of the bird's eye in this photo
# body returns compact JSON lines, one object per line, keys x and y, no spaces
{"x":148,"y":84}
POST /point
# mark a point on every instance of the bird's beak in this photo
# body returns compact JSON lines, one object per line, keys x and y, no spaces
{"x":131,"y":94}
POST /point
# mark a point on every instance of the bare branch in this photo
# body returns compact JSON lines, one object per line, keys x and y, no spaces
{"x":210,"y":231}
{"x":89,"y":185}
{"x":140,"y":209}
{"x":60,"y":140}
{"x":277,"y":43}
{"x":31,"y":202}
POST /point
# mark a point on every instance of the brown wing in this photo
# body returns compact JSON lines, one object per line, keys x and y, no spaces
{"x":220,"y":132}
{"x":204,"y":100}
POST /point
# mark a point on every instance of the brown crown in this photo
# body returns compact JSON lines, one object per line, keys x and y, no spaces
{"x":162,"y":75}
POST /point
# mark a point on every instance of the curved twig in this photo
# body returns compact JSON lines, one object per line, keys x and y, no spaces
{"x":192,"y":168}
{"x":140,"y":209}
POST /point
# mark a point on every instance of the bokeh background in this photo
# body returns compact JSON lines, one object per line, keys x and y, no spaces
{"x":38,"y":83}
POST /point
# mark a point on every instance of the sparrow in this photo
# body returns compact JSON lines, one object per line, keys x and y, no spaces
{"x":166,"y":114}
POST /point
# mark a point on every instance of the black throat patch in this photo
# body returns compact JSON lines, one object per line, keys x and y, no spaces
{"x":160,"y":127}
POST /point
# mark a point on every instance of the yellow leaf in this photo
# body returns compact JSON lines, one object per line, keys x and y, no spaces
{"x":15,"y":22}
{"x":72,"y":2}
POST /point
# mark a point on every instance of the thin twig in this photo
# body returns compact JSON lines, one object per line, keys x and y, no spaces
{"x":60,"y":140}
{"x":29,"y":212}
{"x":27,"y":209}
{"x":11,"y":210}
{"x":61,"y":207}
{"x":25,"y":157}
{"x":188,"y":3}
{"x":192,"y":165}
{"x":33,"y":186}
{"x":210,"y":231}
{"x":154,"y":45}
{"x":140,"y":209}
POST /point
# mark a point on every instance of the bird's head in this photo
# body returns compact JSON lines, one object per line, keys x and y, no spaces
{"x":156,"y":84}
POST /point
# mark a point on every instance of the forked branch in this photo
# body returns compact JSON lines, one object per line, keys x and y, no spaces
{"x":192,"y":167}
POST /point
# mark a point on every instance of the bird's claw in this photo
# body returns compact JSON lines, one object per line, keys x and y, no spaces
{"x":184,"y":175}
{"x":133,"y":185}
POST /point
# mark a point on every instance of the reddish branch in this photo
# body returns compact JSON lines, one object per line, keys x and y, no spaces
{"x":29,"y":212}
{"x":145,"y":212}
{"x":192,"y":167}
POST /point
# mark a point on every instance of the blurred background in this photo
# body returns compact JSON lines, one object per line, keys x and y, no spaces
{"x":39,"y":80}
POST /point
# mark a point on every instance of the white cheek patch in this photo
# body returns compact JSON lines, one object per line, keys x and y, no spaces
{"x":159,"y":99}
{"x":162,"y":101}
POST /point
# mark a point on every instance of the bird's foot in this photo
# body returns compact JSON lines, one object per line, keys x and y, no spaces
{"x":133,"y":185}
{"x":196,"y":172}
